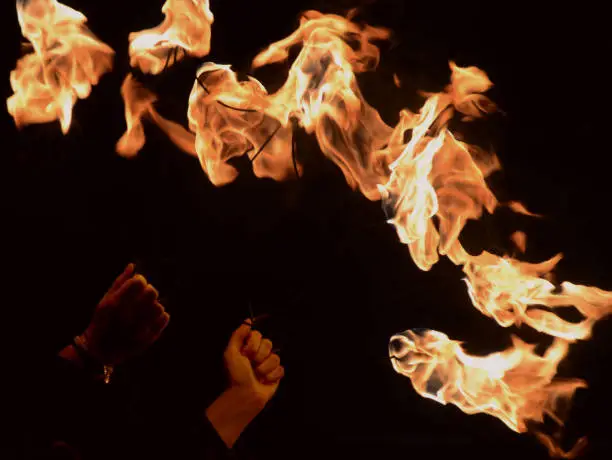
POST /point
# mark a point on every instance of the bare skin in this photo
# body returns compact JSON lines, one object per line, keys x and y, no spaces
{"x":254,"y":373}
{"x":127,"y":321}
{"x":130,"y":318}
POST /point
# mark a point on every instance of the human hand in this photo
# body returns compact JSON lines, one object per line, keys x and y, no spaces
{"x":251,"y":365}
{"x":254,"y":373}
{"x":127,"y":321}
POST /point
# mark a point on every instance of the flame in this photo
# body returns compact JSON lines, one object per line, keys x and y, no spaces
{"x":231,"y":118}
{"x":226,"y":116}
{"x":520,"y":208}
{"x":396,"y":80}
{"x":435,"y":175}
{"x":520,"y":240}
{"x":186,"y":29}
{"x":430,"y":183}
{"x":65,"y":62}
{"x":139,"y":103}
{"x":512,"y":292}
{"x":517,"y":386}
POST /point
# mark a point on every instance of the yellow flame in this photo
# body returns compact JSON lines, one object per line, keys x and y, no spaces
{"x":65,"y":62}
{"x":517,"y":385}
{"x":186,"y":29}
{"x":430,"y":182}
{"x":139,"y":104}
{"x":513,"y":292}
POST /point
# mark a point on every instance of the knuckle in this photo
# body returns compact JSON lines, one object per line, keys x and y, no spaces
{"x":140,"y":280}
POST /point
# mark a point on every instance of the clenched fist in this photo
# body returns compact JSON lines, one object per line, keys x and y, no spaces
{"x":254,"y":374}
{"x":128,"y":320}
{"x":252,"y":365}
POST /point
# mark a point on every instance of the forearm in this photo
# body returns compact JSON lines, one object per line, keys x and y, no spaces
{"x":71,"y":355}
{"x":85,"y":363}
{"x":232,"y":412}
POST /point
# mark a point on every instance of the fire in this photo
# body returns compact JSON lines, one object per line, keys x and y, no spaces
{"x":231,"y":118}
{"x":139,"y":104}
{"x":517,"y":386}
{"x":429,"y":180}
{"x":513,"y":292}
{"x":66,"y":61}
{"x":186,"y":29}
{"x":322,"y":94}
{"x":520,"y":241}
{"x":226,"y":116}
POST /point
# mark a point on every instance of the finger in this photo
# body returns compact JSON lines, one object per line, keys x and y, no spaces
{"x":160,"y":324}
{"x":131,"y":290}
{"x":152,"y":334}
{"x":265,"y":348}
{"x":268,"y":365}
{"x":147,"y":310}
{"x":157,"y":327}
{"x":252,"y":345}
{"x":275,"y":375}
{"x":147,"y":300}
{"x":240,"y":335}
{"x":121,"y":279}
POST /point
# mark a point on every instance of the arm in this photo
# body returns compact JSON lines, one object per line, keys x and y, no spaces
{"x":254,"y":373}
{"x":125,"y":323}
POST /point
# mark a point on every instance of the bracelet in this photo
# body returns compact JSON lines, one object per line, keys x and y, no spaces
{"x":82,"y":349}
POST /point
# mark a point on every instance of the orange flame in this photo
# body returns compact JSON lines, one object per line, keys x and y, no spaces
{"x":437,"y":175}
{"x":226,"y":116}
{"x":520,"y":241}
{"x":431,"y":183}
{"x":321,"y":93}
{"x":520,"y":208}
{"x":507,"y":290}
{"x":516,"y":386}
{"x":396,"y":80}
{"x":186,"y":29}
{"x":65,"y":62}
{"x":139,"y":105}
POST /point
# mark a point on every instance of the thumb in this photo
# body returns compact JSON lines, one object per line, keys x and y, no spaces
{"x":121,"y":279}
{"x":240,"y":335}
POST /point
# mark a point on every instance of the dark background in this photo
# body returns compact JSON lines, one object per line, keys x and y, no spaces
{"x":316,"y":255}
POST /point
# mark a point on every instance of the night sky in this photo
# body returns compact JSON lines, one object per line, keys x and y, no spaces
{"x":314,"y":254}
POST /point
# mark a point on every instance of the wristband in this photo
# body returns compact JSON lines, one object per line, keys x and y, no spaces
{"x":90,"y":364}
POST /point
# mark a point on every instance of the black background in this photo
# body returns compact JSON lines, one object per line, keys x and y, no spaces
{"x":316,"y":255}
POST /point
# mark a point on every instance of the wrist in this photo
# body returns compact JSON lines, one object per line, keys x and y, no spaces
{"x":232,"y":412}
{"x":248,"y":398}
{"x":70,"y":354}
{"x":79,"y":353}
